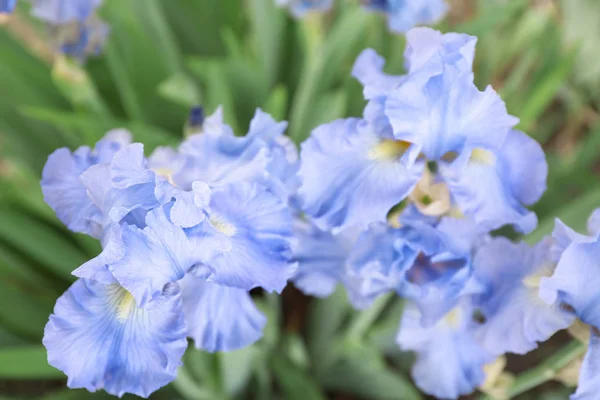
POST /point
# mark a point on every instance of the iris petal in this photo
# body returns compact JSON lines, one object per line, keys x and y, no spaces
{"x":101,"y":340}
{"x":220,"y":318}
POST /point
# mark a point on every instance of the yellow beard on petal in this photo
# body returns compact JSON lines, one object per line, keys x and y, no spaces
{"x":483,"y":156}
{"x":222,"y":225}
{"x":125,"y":304}
{"x":388,"y":150}
{"x":165,"y":173}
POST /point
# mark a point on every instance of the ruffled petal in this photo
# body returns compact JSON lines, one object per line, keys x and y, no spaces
{"x":492,"y":189}
{"x":516,"y":319}
{"x":156,"y":255}
{"x":64,"y":192}
{"x":352,"y":177}
{"x":321,"y":258}
{"x":574,"y":284}
{"x":220,"y":318}
{"x":221,"y":159}
{"x":449,"y":362}
{"x":101,"y":340}
{"x":259,"y":225}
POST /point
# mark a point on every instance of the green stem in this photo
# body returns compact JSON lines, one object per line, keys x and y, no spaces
{"x":546,"y":371}
{"x":363,"y":321}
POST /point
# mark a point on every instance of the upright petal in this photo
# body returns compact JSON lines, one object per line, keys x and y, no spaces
{"x":7,"y":6}
{"x":428,"y":50}
{"x":352,"y":177}
{"x":447,"y":113}
{"x":368,"y":70}
{"x":259,"y":225}
{"x":220,"y":318}
{"x":593,"y":224}
{"x":101,"y":340}
{"x":449,"y":361}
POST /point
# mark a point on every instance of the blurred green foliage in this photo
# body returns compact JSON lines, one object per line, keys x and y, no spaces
{"x":164,"y":56}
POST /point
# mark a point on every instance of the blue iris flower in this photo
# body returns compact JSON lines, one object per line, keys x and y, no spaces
{"x":515,"y":318}
{"x":405,"y":14}
{"x":219,"y":238}
{"x":449,"y":361}
{"x":7,"y":6}
{"x":101,"y":340}
{"x":425,"y":134}
{"x":428,"y":264}
{"x":300,"y":8}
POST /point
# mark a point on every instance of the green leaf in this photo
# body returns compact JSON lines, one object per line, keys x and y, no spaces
{"x":41,"y":243}
{"x":180,"y":89}
{"x":294,"y":382}
{"x":236,"y":368}
{"x":574,"y":215}
{"x":27,"y":362}
{"x":361,"y":371}
{"x":325,"y":318}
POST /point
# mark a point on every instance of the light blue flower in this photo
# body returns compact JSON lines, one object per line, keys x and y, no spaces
{"x":63,"y":189}
{"x":494,"y":186}
{"x":259,"y":226}
{"x":59,"y":12}
{"x":351,"y":175}
{"x":7,"y":6}
{"x":515,"y":318}
{"x":321,"y":258}
{"x":404,"y":14}
{"x":449,"y":362}
{"x":220,"y":318}
{"x":153,"y":256}
{"x":299,"y":8}
{"x":421,"y":262}
{"x":100,"y":339}
{"x":589,"y":376}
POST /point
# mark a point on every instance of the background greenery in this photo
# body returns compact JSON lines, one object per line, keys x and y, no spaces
{"x":162,"y":57}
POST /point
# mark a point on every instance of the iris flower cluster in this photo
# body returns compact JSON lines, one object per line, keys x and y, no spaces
{"x":186,"y":234}
{"x":404,"y":200}
{"x":74,"y":29}
{"x":401,"y":14}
